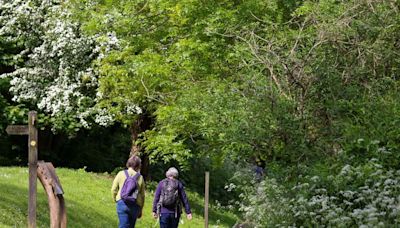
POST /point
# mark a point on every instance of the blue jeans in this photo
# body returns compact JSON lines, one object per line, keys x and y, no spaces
{"x":168,"y":220}
{"x":127,"y":214}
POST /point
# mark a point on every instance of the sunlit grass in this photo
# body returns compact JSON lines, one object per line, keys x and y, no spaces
{"x":88,"y":201}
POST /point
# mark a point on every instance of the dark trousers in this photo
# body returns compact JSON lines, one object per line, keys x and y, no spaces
{"x":127,"y":215}
{"x":168,"y":220}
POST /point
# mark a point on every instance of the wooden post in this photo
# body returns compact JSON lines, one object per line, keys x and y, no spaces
{"x":206,"y":199}
{"x":47,"y":176}
{"x":32,"y":133}
{"x":32,"y":158}
{"x":52,"y":186}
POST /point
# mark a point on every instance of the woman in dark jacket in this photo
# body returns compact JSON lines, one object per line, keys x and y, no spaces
{"x":168,"y":200}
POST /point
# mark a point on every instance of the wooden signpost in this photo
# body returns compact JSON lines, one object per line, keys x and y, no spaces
{"x":32,"y":133}
{"x":46,"y":175}
{"x":17,"y":130}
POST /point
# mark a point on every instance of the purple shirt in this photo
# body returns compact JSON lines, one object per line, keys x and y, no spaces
{"x":182,"y":196}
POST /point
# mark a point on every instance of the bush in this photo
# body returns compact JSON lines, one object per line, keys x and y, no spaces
{"x":365,"y":196}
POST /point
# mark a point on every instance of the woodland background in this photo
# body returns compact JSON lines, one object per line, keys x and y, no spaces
{"x":310,"y":88}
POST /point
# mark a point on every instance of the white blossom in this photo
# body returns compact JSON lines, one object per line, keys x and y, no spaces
{"x":58,"y":76}
{"x":104,"y":118}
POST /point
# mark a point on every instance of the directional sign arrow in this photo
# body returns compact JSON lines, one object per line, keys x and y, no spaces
{"x":17,"y":130}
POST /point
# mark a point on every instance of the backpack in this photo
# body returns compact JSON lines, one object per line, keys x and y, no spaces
{"x":169,"y":193}
{"x":130,"y":188}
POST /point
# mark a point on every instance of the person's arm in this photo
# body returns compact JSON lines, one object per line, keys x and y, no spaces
{"x":157,"y":195}
{"x":141,"y":195}
{"x":115,"y":187}
{"x":184,"y":200}
{"x":142,"y":192}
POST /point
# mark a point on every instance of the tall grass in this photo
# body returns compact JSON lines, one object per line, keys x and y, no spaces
{"x":88,"y":201}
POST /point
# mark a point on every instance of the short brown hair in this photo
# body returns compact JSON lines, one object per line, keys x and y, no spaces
{"x":134,"y":162}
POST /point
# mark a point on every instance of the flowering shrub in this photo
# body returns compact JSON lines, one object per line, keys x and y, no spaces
{"x":267,"y":195}
{"x":363,"y":196}
{"x":275,"y":206}
{"x":57,"y":76}
{"x":58,"y":73}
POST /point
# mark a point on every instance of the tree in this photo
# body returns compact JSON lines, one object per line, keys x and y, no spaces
{"x":57,"y":74}
{"x":329,"y":62}
{"x":162,"y":49}
{"x":174,"y":56}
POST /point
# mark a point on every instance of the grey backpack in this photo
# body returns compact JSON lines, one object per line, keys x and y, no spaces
{"x":169,"y":193}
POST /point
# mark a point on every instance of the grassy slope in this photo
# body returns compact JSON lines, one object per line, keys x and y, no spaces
{"x":88,"y":201}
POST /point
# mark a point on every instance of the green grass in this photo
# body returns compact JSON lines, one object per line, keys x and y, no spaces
{"x":88,"y":201}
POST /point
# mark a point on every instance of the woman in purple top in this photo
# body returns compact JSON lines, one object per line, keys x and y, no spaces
{"x":168,"y":200}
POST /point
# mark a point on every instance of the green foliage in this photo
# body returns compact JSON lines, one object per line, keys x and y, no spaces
{"x":168,"y":55}
{"x":285,"y":81}
{"x":307,"y":86}
{"x":347,"y":196}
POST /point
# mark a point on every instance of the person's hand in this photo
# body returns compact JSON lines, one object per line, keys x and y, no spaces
{"x":155,"y":215}
{"x":140,"y":214}
{"x":189,"y":216}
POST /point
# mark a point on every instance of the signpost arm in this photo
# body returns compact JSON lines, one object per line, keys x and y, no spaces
{"x":32,"y":158}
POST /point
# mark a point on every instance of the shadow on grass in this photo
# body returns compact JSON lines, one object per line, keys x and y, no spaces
{"x":14,"y":210}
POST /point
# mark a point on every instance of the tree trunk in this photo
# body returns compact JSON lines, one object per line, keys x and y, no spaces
{"x":142,"y":123}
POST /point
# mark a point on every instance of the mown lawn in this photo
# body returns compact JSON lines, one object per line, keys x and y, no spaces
{"x":88,"y":201}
